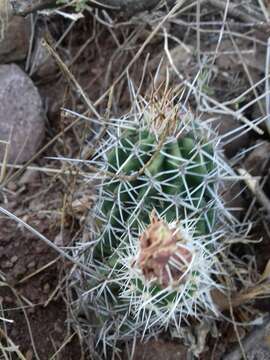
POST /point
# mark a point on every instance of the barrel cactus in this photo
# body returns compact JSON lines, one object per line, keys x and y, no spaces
{"x":158,"y":227}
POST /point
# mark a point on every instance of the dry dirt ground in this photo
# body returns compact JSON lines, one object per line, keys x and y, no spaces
{"x":32,"y":286}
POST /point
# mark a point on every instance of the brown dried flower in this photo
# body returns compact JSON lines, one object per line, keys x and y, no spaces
{"x":163,"y":254}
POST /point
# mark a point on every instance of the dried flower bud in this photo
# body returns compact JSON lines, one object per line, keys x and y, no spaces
{"x":163,"y":254}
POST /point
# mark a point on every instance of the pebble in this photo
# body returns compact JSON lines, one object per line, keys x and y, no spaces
{"x":14,"y":259}
{"x":21,"y":104}
{"x":29,"y":355}
{"x":46,"y":288}
{"x":43,"y":65}
{"x":31,"y":265}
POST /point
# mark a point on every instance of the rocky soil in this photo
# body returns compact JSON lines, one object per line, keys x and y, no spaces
{"x":85,"y":56}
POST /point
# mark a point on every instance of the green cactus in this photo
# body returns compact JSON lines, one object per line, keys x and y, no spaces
{"x":158,"y":225}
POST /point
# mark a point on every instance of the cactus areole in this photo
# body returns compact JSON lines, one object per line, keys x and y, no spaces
{"x":156,"y":234}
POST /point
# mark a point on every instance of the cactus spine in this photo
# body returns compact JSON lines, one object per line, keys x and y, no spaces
{"x":159,"y":224}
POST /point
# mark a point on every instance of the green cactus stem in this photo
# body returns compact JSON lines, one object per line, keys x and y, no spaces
{"x":159,"y":224}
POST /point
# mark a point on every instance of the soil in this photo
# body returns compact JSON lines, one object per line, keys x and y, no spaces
{"x":32,"y":288}
{"x":32,"y":274}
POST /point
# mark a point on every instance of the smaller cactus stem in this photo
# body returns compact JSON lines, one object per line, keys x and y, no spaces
{"x":163,"y":255}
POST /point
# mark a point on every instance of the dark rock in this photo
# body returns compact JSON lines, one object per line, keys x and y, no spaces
{"x":22,"y":118}
{"x":43,"y":65}
{"x":15,"y":42}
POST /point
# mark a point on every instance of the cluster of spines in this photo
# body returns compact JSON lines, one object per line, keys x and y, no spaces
{"x":125,"y":309}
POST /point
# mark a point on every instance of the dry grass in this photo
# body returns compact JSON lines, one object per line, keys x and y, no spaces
{"x":214,"y":32}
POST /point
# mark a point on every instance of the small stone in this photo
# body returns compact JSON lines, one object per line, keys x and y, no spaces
{"x":31,"y":265}
{"x":46,"y":288}
{"x":43,"y":65}
{"x":29,"y":355}
{"x":21,"y":104}
{"x":14,"y":259}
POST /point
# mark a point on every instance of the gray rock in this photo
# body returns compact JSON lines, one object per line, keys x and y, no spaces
{"x":43,"y":65}
{"x":22,"y":119}
{"x":256,"y":345}
{"x":14,"y":42}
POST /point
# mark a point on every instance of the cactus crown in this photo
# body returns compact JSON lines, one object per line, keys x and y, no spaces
{"x":159,"y":223}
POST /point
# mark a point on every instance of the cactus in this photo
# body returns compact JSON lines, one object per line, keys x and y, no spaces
{"x":159,"y":224}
